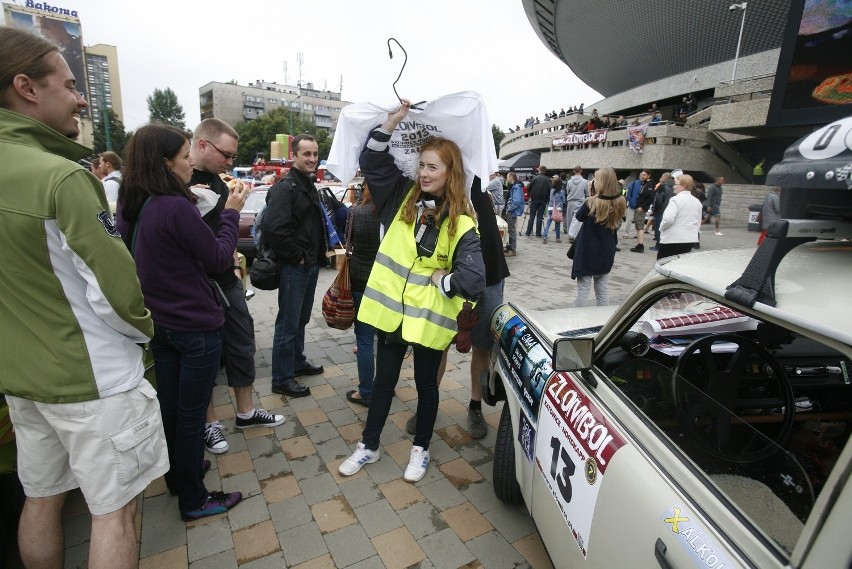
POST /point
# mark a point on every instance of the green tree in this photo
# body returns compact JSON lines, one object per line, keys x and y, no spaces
{"x":498,"y":135}
{"x":255,"y":135}
{"x":118,"y":136}
{"x":163,"y":107}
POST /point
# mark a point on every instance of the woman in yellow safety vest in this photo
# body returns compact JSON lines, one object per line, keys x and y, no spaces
{"x":429,"y":262}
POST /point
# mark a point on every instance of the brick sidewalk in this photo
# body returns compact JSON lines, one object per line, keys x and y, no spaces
{"x":298,"y":512}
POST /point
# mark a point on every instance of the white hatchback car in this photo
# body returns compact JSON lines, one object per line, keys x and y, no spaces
{"x":704,"y":422}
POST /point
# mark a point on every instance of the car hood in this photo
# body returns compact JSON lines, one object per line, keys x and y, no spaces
{"x":552,"y":324}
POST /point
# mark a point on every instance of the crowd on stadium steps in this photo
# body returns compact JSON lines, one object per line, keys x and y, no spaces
{"x":679,"y":114}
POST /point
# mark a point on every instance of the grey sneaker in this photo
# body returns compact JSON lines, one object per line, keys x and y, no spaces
{"x":411,"y":425}
{"x":476,"y":426}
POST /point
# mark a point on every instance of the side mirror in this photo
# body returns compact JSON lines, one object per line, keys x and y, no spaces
{"x":573,"y":354}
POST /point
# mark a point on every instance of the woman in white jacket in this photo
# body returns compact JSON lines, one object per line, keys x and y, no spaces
{"x":681,"y":220}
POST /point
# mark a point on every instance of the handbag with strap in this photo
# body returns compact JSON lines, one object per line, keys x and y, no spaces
{"x":338,"y":306}
{"x":265,"y":272}
{"x":556,"y":212}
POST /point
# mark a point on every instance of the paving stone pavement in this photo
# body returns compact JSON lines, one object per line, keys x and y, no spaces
{"x":298,"y":511}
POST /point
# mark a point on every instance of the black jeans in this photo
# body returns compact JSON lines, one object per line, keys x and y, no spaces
{"x":186,"y":365}
{"x":672,"y":249}
{"x":389,"y":356}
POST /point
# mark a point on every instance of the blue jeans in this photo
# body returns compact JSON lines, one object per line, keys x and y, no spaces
{"x":365,"y":336}
{"x":547,"y":227}
{"x":389,"y":356}
{"x":186,"y":364}
{"x":295,"y":301}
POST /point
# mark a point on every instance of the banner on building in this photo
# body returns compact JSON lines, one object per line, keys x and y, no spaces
{"x":575,"y":138}
{"x":636,"y":137}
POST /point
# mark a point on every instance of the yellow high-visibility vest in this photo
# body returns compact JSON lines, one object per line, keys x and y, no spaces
{"x":400,"y":293}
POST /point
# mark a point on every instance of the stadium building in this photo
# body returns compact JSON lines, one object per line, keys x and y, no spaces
{"x":762,"y":73}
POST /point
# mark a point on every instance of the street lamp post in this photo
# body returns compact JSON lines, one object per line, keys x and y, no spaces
{"x":738,"y":6}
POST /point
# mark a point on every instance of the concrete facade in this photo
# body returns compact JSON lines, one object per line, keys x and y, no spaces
{"x":235,"y":103}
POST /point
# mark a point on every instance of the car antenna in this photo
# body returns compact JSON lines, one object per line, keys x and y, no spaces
{"x":390,"y":54}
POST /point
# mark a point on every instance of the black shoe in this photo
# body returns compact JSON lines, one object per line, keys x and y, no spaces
{"x":309,"y":369}
{"x":617,"y":250}
{"x":292,"y":388}
{"x":350,"y":395}
{"x":638,"y":249}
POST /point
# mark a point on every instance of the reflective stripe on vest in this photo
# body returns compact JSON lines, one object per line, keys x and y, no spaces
{"x":400,"y":294}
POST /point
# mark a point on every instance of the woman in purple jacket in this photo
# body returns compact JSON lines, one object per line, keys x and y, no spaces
{"x":174,"y":250}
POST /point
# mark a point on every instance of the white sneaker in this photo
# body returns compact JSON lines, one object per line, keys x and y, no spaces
{"x":214,"y":440}
{"x":719,"y":233}
{"x":417,"y":464}
{"x":359,"y":458}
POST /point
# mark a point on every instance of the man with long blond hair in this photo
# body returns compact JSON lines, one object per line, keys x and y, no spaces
{"x":72,"y":313}
{"x":595,"y":244}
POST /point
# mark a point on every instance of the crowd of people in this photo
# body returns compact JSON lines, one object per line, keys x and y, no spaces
{"x":679,"y":114}
{"x":672,"y":210}
{"x":141,"y":257}
{"x":427,"y":262}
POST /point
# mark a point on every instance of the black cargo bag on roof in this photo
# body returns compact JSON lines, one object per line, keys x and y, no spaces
{"x":815,"y":175}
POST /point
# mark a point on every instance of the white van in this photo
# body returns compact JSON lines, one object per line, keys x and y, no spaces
{"x":242,"y":172}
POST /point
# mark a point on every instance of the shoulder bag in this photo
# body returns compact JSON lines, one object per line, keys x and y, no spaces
{"x":265,"y":272}
{"x":556,"y":212}
{"x":338,"y":306}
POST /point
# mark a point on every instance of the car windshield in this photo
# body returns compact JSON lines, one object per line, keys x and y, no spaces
{"x":255,"y":202}
{"x":762,"y":410}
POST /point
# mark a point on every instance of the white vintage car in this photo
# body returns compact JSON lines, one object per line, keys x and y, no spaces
{"x":704,"y":422}
{"x":686,"y":428}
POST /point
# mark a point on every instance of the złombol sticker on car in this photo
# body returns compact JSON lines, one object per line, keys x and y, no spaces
{"x":575,"y":445}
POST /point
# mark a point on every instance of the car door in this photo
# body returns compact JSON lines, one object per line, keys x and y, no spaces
{"x":600,"y":501}
{"x":726,"y":461}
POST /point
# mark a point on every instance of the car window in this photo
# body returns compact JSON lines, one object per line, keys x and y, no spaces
{"x":763,"y":411}
{"x":254,"y":202}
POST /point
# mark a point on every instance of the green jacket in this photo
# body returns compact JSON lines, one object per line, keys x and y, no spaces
{"x":71,"y":309}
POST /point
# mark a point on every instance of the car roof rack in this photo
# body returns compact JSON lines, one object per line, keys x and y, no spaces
{"x":757,"y":283}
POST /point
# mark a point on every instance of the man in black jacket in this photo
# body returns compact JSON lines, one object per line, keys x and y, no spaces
{"x":214,"y":145}
{"x":662,"y":195}
{"x":294,"y":228}
{"x":644,"y":199}
{"x":539,"y":196}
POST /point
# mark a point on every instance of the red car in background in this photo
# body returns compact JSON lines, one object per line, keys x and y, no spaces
{"x":245,"y":238}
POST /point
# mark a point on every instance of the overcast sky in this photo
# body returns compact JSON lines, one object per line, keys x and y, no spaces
{"x":486,"y":46}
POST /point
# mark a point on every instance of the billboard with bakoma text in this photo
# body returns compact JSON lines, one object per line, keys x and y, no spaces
{"x":58,"y":25}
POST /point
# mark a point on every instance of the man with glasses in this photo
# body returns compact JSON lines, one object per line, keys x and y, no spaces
{"x":214,"y":147}
{"x":72,"y":316}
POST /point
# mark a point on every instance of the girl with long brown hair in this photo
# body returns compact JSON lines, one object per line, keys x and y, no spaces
{"x":429,"y":262}
{"x":595,"y":244}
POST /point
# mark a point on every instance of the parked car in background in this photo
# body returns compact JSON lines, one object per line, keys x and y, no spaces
{"x":245,"y":239}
